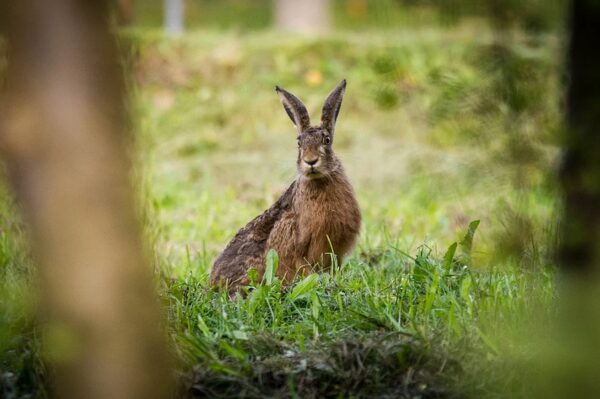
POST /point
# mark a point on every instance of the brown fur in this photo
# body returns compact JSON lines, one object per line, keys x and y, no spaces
{"x":318,"y":212}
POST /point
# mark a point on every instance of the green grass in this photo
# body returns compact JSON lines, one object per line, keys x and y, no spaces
{"x":389,"y":324}
{"x":21,"y":368}
{"x":439,"y":127}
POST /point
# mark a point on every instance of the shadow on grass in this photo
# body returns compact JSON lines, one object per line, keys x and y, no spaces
{"x":376,"y":365}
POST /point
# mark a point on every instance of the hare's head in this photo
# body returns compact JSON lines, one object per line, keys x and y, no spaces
{"x":315,"y":153}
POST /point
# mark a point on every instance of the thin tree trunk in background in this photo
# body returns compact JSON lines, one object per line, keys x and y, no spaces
{"x":306,"y":16}
{"x":174,"y":17}
{"x":63,"y":139}
{"x":580,"y":248}
{"x":126,"y":12}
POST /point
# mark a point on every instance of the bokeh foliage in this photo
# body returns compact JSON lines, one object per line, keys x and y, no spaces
{"x":246,"y":15}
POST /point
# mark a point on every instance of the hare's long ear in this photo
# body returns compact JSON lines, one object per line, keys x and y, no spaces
{"x":332,"y":106}
{"x":294,"y":108}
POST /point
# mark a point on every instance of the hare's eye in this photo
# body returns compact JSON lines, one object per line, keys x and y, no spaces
{"x":326,"y":140}
{"x":298,"y":141}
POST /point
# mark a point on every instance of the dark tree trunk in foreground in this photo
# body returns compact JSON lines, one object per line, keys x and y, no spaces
{"x":572,"y":363}
{"x":306,"y":16}
{"x":63,"y":140}
{"x":580,"y":250}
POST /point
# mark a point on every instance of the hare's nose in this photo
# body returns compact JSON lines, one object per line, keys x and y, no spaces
{"x":311,"y":162}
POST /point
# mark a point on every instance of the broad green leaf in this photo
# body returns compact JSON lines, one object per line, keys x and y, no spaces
{"x":304,"y":287}
{"x":449,"y":256}
{"x":431,"y":292}
{"x":316,"y":306}
{"x":272,"y":265}
{"x":467,"y":242}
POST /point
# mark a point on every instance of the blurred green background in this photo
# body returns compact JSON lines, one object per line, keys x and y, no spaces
{"x":445,"y":121}
{"x":249,"y":15}
{"x":451,"y":115}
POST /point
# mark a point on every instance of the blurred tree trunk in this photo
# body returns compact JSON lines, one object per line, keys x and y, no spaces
{"x":63,"y":139}
{"x":126,"y":12}
{"x":174,"y":12}
{"x":306,"y":16}
{"x":576,"y":363}
{"x":580,"y":249}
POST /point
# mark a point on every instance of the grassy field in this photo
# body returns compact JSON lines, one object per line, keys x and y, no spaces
{"x":448,"y":138}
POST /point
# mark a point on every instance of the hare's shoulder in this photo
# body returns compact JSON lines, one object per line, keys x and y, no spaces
{"x":250,"y":241}
{"x":259,"y":228}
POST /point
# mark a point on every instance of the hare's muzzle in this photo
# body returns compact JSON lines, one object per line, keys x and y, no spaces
{"x":311,"y":162}
{"x":311,"y":168}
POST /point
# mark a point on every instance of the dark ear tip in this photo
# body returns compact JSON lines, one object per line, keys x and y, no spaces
{"x":343,"y":83}
{"x":277,"y":88}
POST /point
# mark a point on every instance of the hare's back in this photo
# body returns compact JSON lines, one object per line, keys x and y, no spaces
{"x":247,"y":249}
{"x":243,"y":251}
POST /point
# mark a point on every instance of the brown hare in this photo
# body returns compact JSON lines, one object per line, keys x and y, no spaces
{"x":317,"y":213}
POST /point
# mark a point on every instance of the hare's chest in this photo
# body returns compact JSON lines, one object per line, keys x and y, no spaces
{"x":318,"y":215}
{"x":324,"y":226}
